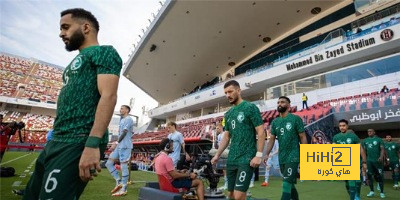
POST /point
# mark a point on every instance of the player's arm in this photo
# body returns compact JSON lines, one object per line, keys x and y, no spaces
{"x":107,"y":85}
{"x":261,"y":138}
{"x":224,"y":143}
{"x":303,"y":138}
{"x":127,"y":127}
{"x":256,"y":161}
{"x":270,"y":145}
{"x":398,"y":150}
{"x":364,"y":158}
{"x":182,"y":141}
{"x":380,"y":159}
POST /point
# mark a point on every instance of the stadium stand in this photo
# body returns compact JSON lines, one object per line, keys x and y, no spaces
{"x":23,"y":78}
{"x":197,"y":130}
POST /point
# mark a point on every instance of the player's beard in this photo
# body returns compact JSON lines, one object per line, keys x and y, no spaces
{"x":281,"y":109}
{"x":75,"y":41}
{"x":234,"y":101}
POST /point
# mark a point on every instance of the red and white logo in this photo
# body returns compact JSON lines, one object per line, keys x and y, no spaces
{"x":386,"y":34}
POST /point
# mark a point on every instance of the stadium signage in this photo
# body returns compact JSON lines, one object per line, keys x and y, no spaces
{"x":387,"y":34}
{"x":330,"y":161}
{"x":329,"y":54}
{"x":373,"y":115}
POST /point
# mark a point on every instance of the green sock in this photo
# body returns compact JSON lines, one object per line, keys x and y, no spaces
{"x":294,"y":193}
{"x":358,"y":187}
{"x":286,"y":191}
{"x":371,"y":182}
{"x":352,"y":189}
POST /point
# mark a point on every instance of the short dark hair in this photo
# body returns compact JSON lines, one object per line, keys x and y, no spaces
{"x":164,"y":143}
{"x":285,"y":97}
{"x":344,"y":121}
{"x":172,"y":124}
{"x":81,"y":13}
{"x":231,"y":83}
{"x":127,"y":107}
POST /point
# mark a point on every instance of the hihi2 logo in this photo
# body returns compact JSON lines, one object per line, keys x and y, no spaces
{"x":330,"y":162}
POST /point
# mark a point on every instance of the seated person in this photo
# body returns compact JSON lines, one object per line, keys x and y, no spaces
{"x":179,"y":179}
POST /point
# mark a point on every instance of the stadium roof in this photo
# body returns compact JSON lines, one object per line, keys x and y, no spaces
{"x":195,"y":40}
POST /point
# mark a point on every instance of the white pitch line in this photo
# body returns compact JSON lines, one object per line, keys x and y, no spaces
{"x":15,"y":159}
{"x":16,"y":183}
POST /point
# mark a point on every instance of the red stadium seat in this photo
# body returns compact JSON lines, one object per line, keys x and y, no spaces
{"x":165,"y":185}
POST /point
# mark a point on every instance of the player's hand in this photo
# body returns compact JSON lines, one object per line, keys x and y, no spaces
{"x":193,"y":175}
{"x":113,"y":146}
{"x":90,"y":160}
{"x":364,"y":167}
{"x":215,"y":159}
{"x":255,"y":162}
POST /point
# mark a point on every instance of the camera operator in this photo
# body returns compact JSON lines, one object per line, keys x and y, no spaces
{"x":164,"y":166}
{"x":6,"y":130}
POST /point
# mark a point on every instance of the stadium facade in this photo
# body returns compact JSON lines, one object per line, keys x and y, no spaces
{"x":339,"y":53}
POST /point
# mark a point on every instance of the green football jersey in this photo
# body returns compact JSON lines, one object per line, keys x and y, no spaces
{"x":241,"y":121}
{"x":79,"y":96}
{"x":287,"y":131}
{"x":392,"y":149}
{"x":346,"y":138}
{"x":372,"y":146}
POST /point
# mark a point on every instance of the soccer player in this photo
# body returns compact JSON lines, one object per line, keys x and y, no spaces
{"x":84,"y":109}
{"x":243,"y":122}
{"x":179,"y":143}
{"x":375,"y":150}
{"x":271,"y":161}
{"x":289,"y":130}
{"x":347,"y":137}
{"x":121,"y":150}
{"x":393,"y":154}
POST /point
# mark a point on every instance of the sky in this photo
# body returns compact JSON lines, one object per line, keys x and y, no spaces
{"x":30,"y":28}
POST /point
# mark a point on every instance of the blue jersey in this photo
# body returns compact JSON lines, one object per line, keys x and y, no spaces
{"x":178,"y":140}
{"x":125,"y":123}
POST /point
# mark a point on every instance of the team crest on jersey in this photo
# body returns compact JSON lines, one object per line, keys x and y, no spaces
{"x":240,"y":117}
{"x":348,"y":140}
{"x":375,"y":142}
{"x":76,"y":63}
{"x":393,"y":147}
{"x":288,"y":126}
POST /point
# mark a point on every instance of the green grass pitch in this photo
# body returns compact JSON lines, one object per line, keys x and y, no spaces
{"x":100,"y":188}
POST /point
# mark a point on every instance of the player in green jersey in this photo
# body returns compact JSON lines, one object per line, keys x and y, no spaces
{"x":347,"y":137}
{"x":393,"y":154}
{"x":243,"y":122}
{"x":375,"y":150}
{"x":289,"y":130}
{"x":84,"y":109}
